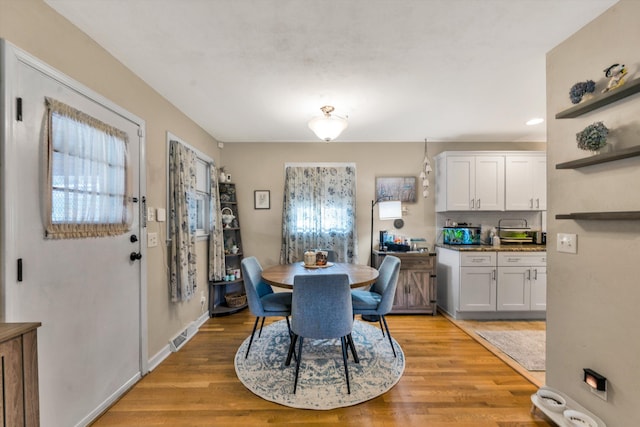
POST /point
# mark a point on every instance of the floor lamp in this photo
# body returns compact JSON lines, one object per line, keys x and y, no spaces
{"x":387,"y":209}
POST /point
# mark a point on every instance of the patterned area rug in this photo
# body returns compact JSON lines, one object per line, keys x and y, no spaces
{"x":321,"y":382}
{"x":525,"y":347}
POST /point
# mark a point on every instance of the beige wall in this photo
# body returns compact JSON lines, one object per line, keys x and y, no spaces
{"x":37,"y":29}
{"x":592,"y":316}
{"x":261,"y":167}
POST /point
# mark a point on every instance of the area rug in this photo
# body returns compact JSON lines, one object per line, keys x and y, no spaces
{"x":525,"y":347}
{"x":321,"y":382}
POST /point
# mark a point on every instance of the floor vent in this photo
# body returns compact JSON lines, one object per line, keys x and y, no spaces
{"x":181,"y":339}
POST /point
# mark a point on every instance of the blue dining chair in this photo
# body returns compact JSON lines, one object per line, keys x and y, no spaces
{"x":262,"y":301}
{"x":379,"y":299}
{"x":321,"y":309}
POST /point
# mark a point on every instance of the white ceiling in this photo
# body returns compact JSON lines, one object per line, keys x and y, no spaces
{"x":401,"y":70}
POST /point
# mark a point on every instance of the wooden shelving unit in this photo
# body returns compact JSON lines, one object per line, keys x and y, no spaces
{"x":601,"y":158}
{"x":628,"y":89}
{"x":601,"y":100}
{"x":231,"y":236}
{"x":609,"y":216}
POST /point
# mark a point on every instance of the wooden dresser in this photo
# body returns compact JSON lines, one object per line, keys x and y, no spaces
{"x":416,"y":291}
{"x":19,"y":354}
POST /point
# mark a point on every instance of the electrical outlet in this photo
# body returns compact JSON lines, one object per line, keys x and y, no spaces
{"x":151,"y":214}
{"x":567,"y":243}
{"x":152,"y":240}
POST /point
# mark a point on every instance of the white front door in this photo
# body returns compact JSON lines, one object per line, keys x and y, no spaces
{"x":86,"y":292}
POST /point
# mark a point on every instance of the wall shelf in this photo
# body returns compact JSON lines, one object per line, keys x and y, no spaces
{"x":605,"y":216}
{"x":601,"y":158}
{"x":601,"y":100}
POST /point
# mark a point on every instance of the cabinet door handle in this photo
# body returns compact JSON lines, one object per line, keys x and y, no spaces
{"x":472,"y":203}
{"x":535,"y":274}
{"x":478,"y":206}
{"x":493,"y":275}
{"x":531,"y":203}
{"x":529,"y":274}
{"x":538,"y":203}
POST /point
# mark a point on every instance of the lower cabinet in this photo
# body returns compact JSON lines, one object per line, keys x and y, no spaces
{"x":19,"y":374}
{"x":416,"y":290}
{"x":492,"y":284}
{"x":477,"y":281}
{"x":522,"y":282}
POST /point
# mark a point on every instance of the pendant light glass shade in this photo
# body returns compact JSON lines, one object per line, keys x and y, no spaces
{"x":328,"y":127}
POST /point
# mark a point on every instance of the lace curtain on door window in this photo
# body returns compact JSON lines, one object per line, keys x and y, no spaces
{"x":87,"y":175}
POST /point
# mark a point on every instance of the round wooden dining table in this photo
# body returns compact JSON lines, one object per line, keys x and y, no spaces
{"x":282,"y":275}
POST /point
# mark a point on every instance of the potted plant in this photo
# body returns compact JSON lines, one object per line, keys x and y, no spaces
{"x":593,"y":137}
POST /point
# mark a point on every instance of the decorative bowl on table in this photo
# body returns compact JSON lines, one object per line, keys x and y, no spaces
{"x":578,"y":419}
{"x":551,"y":400}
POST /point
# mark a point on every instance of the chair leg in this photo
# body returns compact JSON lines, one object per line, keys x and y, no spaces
{"x":353,"y":348}
{"x":381,"y":328}
{"x":261,"y":326}
{"x":292,"y":350}
{"x":343,"y":342}
{"x":389,"y":335}
{"x":295,"y":383}
{"x":252,"y":334}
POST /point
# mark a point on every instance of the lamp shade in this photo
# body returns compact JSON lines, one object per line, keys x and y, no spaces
{"x":390,"y":210}
{"x":328,"y":127}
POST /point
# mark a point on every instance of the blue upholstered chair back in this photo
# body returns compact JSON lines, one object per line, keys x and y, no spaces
{"x":321,"y":306}
{"x":387,"y":282}
{"x":254,"y":286}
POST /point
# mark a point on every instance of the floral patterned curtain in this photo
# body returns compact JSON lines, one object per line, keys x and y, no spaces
{"x":216,"y":241}
{"x":182,"y":225}
{"x":319,"y":211}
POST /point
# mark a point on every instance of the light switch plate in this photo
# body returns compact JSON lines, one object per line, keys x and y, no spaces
{"x":161,"y":215}
{"x":567,"y":243}
{"x":151,"y":214}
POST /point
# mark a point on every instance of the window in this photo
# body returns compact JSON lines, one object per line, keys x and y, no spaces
{"x":202,"y":198}
{"x":319,"y":210}
{"x":87,"y":175}
{"x":199,"y":197}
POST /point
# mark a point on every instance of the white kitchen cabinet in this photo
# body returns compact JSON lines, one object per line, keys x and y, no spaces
{"x":492,"y":284}
{"x":477,"y":281}
{"x":522,"y":281}
{"x":469,"y":182}
{"x":526,"y":182}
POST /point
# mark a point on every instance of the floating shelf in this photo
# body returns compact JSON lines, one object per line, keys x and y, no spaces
{"x":601,"y":100}
{"x":601,"y":158}
{"x":605,"y":216}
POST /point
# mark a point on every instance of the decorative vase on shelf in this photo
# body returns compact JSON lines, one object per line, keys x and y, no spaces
{"x":223,"y":176}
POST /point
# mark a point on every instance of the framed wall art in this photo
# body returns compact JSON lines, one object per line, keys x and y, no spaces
{"x":261,"y":199}
{"x":401,"y":188}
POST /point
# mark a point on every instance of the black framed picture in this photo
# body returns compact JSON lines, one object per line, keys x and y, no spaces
{"x":401,"y":188}
{"x":261,"y":199}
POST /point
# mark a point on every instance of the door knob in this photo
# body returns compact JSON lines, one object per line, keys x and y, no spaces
{"x":133,"y":238}
{"x":135,"y":255}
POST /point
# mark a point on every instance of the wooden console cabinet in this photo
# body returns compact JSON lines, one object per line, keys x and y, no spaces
{"x":416,"y":291}
{"x":19,"y":355}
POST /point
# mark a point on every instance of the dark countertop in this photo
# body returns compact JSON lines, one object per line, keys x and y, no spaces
{"x":501,"y":248}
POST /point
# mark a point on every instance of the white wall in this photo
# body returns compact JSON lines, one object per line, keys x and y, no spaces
{"x":593,"y":296}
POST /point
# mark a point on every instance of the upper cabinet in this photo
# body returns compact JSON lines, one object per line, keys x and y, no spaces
{"x":491,"y":181}
{"x":526,"y":182}
{"x":469,"y":182}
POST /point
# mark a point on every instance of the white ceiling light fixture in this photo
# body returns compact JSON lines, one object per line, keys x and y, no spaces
{"x":328,"y":127}
{"x":535,"y":121}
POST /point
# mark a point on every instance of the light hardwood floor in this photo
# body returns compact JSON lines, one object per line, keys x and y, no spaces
{"x":449,"y":380}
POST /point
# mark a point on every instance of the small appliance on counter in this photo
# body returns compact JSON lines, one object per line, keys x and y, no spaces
{"x":517,"y":232}
{"x":461,"y":235}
